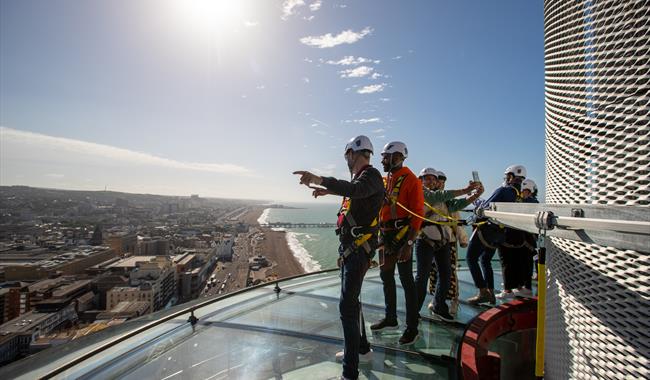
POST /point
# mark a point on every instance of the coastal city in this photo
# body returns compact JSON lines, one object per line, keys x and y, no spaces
{"x":73,"y":263}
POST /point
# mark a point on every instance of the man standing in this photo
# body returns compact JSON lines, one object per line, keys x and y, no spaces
{"x":400,"y":224}
{"x":358,"y":226}
{"x":488,"y":236}
{"x":434,"y":243}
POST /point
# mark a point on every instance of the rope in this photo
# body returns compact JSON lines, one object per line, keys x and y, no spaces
{"x":453,"y":223}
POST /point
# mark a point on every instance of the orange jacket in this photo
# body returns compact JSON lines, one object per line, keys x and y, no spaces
{"x":410,"y":195}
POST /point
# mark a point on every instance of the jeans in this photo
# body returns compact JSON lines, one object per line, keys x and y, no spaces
{"x":425,"y":255}
{"x":476,"y":252}
{"x":354,"y":333}
{"x":387,"y":274}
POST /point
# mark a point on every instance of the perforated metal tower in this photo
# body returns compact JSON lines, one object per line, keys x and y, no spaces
{"x":597,"y":63}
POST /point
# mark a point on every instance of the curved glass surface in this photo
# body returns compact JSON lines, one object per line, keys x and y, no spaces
{"x":261,"y":334}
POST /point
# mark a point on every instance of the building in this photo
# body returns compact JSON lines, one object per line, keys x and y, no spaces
{"x":38,"y":264}
{"x":142,"y":293}
{"x":156,"y":246}
{"x":122,"y":243}
{"x":16,"y":335}
{"x":126,"y":310}
{"x":157,"y":271}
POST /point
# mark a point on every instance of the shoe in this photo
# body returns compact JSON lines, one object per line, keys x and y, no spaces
{"x":482,"y":296}
{"x":409,"y":337}
{"x":493,"y":299}
{"x":504,"y":295}
{"x":453,"y":307}
{"x":442,"y":316}
{"x":523,"y":293}
{"x":363,"y":358}
{"x":384,"y":324}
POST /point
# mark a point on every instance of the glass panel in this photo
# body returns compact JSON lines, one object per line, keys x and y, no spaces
{"x":519,"y":345}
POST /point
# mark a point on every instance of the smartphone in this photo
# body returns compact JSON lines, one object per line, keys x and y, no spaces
{"x":475,"y":176}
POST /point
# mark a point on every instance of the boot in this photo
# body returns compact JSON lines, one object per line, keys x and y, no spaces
{"x":492,"y":299}
{"x":482,"y":296}
{"x":453,"y":308}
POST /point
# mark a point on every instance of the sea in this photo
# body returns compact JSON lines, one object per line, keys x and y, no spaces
{"x":314,"y":248}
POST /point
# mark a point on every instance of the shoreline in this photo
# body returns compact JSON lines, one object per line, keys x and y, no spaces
{"x":275,"y":246}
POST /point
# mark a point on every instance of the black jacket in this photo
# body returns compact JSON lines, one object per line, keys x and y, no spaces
{"x":366,"y":192}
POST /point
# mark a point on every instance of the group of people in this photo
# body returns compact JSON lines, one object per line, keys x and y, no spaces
{"x":402,"y":214}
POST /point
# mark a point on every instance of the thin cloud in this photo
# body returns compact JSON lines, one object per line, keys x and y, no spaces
{"x":397,"y":57}
{"x":380,"y":130}
{"x":289,"y":7}
{"x":15,"y":138}
{"x":315,"y":5}
{"x":328,"y":40}
{"x":251,"y":24}
{"x":350,"y":60}
{"x":305,"y":80}
{"x":357,"y":72}
{"x":308,"y":18}
{"x":327,"y":170}
{"x":372,"y":88}
{"x":365,"y":121}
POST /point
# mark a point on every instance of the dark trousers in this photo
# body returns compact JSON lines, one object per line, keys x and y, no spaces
{"x":511,"y":267}
{"x":426,"y":255}
{"x":353,"y":270}
{"x":528,"y":267}
{"x":387,"y":274}
{"x":478,"y":254}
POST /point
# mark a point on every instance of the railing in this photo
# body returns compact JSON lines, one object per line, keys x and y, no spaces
{"x":622,"y":227}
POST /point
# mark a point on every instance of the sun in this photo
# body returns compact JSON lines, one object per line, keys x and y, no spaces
{"x":210,"y":16}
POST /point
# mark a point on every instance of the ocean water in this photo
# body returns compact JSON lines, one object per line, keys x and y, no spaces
{"x":315,"y":248}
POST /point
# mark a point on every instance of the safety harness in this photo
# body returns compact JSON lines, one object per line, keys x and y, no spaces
{"x":401,"y":225}
{"x":360,"y":234}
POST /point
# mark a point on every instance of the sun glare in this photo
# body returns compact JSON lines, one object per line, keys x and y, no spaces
{"x":210,"y":16}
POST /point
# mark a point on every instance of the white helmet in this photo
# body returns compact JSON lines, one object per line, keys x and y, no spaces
{"x":516,"y":170}
{"x":441,"y":174}
{"x":428,"y":171}
{"x":395,"y":147}
{"x":359,"y":143}
{"x":529,"y":184}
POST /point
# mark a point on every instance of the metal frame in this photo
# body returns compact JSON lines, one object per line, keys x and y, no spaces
{"x":622,"y":227}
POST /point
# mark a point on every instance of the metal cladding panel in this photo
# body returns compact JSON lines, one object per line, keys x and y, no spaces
{"x":597,"y":82}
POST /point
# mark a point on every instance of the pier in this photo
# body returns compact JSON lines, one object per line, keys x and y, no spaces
{"x":298,"y":225}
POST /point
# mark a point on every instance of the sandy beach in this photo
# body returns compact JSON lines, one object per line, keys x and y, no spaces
{"x":275,"y":246}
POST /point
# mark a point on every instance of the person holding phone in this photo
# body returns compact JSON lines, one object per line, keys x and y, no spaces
{"x":434,"y":244}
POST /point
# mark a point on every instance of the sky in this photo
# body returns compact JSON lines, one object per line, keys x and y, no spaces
{"x":227,"y":98}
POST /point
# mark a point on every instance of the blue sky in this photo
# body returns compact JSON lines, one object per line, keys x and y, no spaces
{"x":227,"y":98}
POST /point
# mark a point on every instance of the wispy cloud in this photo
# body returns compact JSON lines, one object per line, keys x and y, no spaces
{"x":315,"y":5}
{"x":55,"y":175}
{"x":384,"y":99}
{"x":372,"y":88}
{"x":357,"y":72}
{"x":308,"y":18}
{"x":320,"y":122}
{"x":397,"y":57}
{"x":260,"y":87}
{"x":327,"y":170}
{"x":251,"y":24}
{"x":351,"y":60}
{"x":379,"y":130}
{"x":365,"y":121}
{"x":16,"y":139}
{"x":328,"y":40}
{"x":305,"y":80}
{"x":289,"y":7}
